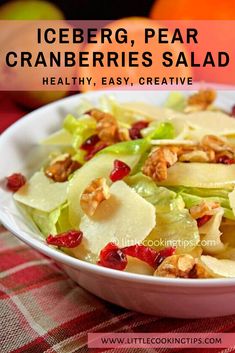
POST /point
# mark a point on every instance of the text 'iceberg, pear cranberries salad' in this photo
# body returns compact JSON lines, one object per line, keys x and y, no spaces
{"x":140,"y":188}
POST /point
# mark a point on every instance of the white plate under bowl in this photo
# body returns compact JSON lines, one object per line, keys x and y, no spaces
{"x":183,"y":298}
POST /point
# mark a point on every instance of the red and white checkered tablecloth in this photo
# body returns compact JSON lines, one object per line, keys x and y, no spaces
{"x":43,"y":310}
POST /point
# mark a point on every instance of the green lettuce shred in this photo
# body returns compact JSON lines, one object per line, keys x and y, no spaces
{"x":194,"y":196}
{"x":54,"y":222}
{"x":128,"y":147}
{"x":80,"y":129}
{"x":176,"y":101}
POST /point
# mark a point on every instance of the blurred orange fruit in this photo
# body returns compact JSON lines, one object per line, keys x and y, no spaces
{"x":193,"y":10}
{"x":220,"y":36}
{"x":135,"y":27}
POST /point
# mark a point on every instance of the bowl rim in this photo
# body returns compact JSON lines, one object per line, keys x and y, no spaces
{"x":75,"y":263}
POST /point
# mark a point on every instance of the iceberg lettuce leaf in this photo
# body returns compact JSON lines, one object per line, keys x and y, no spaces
{"x":231,"y":197}
{"x":63,"y":224}
{"x":45,"y":221}
{"x":174,"y":224}
{"x":54,"y":222}
{"x":80,"y":156}
{"x":80,"y":129}
{"x":202,"y":192}
{"x":145,"y":187}
{"x":128,"y":147}
{"x":194,"y":196}
{"x":176,"y":101}
{"x":159,"y":131}
{"x":70,"y":123}
{"x":176,"y":228}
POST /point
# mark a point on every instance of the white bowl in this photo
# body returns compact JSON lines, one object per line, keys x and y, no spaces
{"x":182,"y":298}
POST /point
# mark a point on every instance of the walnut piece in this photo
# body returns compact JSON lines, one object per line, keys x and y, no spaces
{"x":181,"y":266}
{"x":201,"y":100}
{"x":170,"y":154}
{"x":212,"y":149}
{"x":61,"y":167}
{"x":210,"y":154}
{"x":158,"y":161}
{"x":107,"y":126}
{"x":123,"y":134}
{"x":108,"y":129}
{"x":96,"y":192}
{"x":204,"y":208}
{"x":215,"y":143}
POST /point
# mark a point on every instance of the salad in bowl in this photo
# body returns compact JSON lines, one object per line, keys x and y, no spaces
{"x":139,"y":188}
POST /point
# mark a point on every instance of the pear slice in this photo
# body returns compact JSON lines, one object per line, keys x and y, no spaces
{"x":211,"y":234}
{"x":218,"y":268}
{"x":42,"y":193}
{"x":150,"y":111}
{"x":99,"y":166}
{"x":215,"y":122}
{"x":137,"y":266}
{"x":125,"y":219}
{"x":61,"y":137}
{"x":202,"y":175}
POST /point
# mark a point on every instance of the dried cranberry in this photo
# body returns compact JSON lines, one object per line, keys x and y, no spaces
{"x":15,"y":181}
{"x":69,"y":239}
{"x":89,"y":144}
{"x":202,"y":220}
{"x":112,"y":257}
{"x":233,"y":111}
{"x":135,"y":130}
{"x":120,"y":170}
{"x":98,"y":147}
{"x":225,"y":160}
{"x":134,"y":133}
{"x":148,"y":255}
{"x":142,"y":252}
{"x":163,"y":254}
